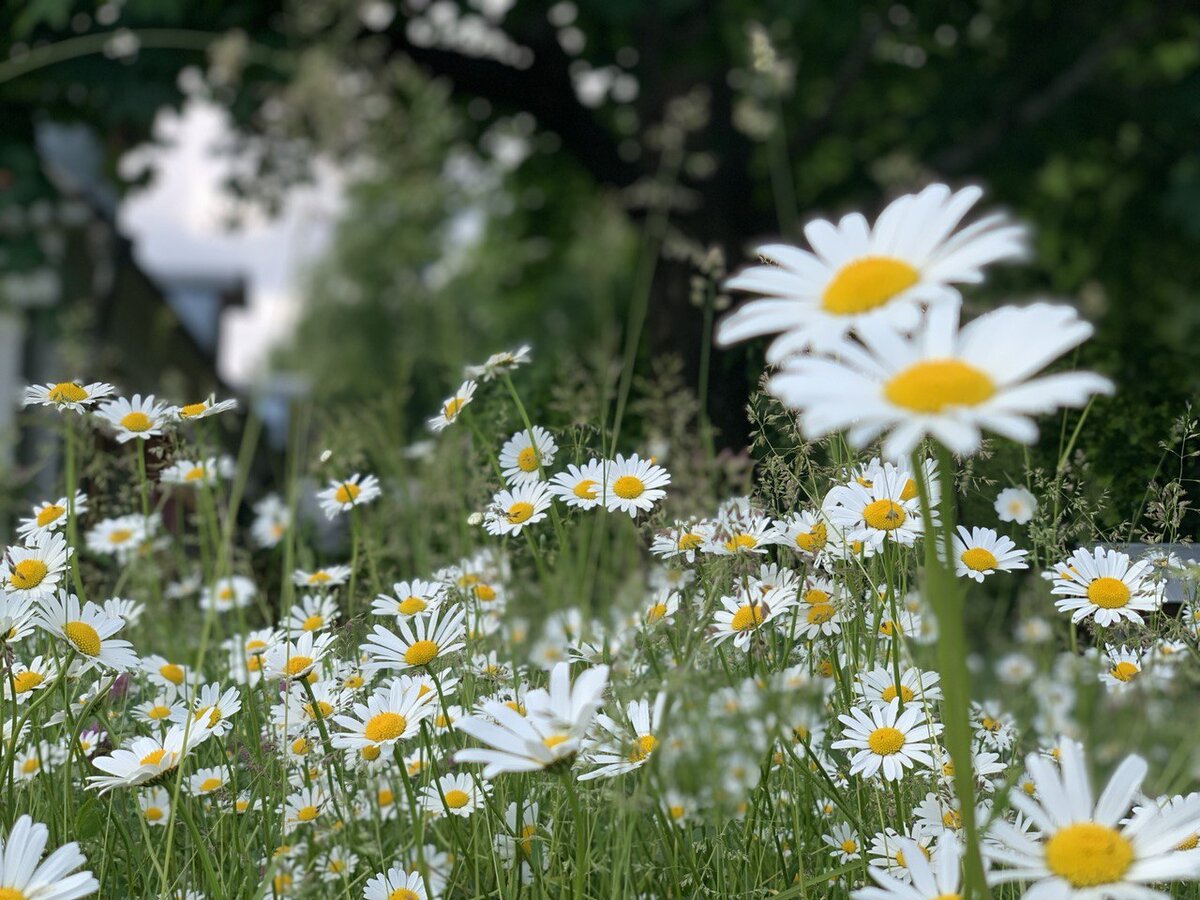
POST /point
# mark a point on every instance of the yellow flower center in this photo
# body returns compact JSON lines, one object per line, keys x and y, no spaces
{"x":296,"y":665}
{"x":814,"y":540}
{"x":313,"y":622}
{"x":747,"y":617}
{"x":885,"y":741}
{"x":153,"y":758}
{"x":643,"y":747}
{"x":171,"y":672}
{"x":484,"y":592}
{"x":553,"y":740}
{"x":655,"y":613}
{"x":825,"y":668}
{"x":689,"y":541}
{"x":1087,"y":854}
{"x":306,"y":813}
{"x":519,"y":512}
{"x":884,"y":515}
{"x":457,"y":799}
{"x":815,"y":596}
{"x":153,"y":814}
{"x":420,"y":653}
{"x":300,"y":746}
{"x":952,"y":819}
{"x":403,"y":894}
{"x":978,"y":560}
{"x":30,"y":765}
{"x":909,"y":491}
{"x":888,"y":694}
{"x":320,"y":578}
{"x":410,"y":606}
{"x":210,"y":784}
{"x":867,"y":283}
{"x":819,"y":613}
{"x":136,"y":421}
{"x":933,"y":385}
{"x":1108,"y":593}
{"x":192,"y":410}
{"x":370,"y":754}
{"x":158,"y":712}
{"x":27,"y":574}
{"x":1124,"y":671}
{"x":628,"y":487}
{"x":384,"y":797}
{"x":848,"y":846}
{"x":385,"y":726}
{"x":347,"y":493}
{"x":119,"y":535}
{"x":196,"y":473}
{"x":585,"y":489}
{"x":83,"y":636}
{"x":1188,"y":843}
{"x":675,"y":812}
{"x":64,"y":392}
{"x":323,"y":708}
{"x":741,"y":542}
{"x":527,"y":460}
{"x":24,"y":682}
{"x":48,"y":514}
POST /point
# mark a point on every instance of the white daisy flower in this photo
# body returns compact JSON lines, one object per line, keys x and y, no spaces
{"x":498,"y":364}
{"x":858,"y":276}
{"x":942,"y":382}
{"x":620,"y":749}
{"x":36,"y":570}
{"x":661,"y":609}
{"x":981,"y":552}
{"x":1121,"y":667}
{"x":927,"y":879}
{"x":393,"y":713}
{"x":212,"y":709}
{"x":23,"y":680}
{"x":818,"y":620}
{"x":579,"y":486}
{"x":518,"y":507}
{"x":633,"y":485}
{"x":272,"y":519}
{"x":742,"y":535}
{"x":71,"y":395}
{"x":304,"y":807}
{"x":452,"y":407}
{"x":51,"y":515}
{"x":1107,"y":586}
{"x":742,"y":616}
{"x":120,"y":537}
{"x":207,"y":780}
{"x":806,"y":532}
{"x":1015,"y":504}
{"x":313,"y":612}
{"x":1080,"y":849}
{"x":683,"y":539}
{"x":24,"y":874}
{"x":296,"y":659}
{"x":409,"y":598}
{"x":454,"y":795}
{"x":519,"y":842}
{"x":89,"y":632}
{"x":326,"y":577}
{"x":872,"y":515}
{"x":888,"y":852}
{"x":395,"y":884}
{"x":421,"y":641}
{"x":165,"y":673}
{"x":146,"y":759}
{"x":209,"y":406}
{"x":888,"y":741}
{"x":234,"y":592}
{"x":343,"y":496}
{"x":137,"y":418}
{"x":190,"y":473}
{"x":878,"y":687}
{"x":155,"y":806}
{"x":845,"y":843}
{"x":18,"y":616}
{"x":524,"y":457}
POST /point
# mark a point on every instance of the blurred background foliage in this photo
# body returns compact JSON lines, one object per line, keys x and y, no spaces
{"x":521,"y":171}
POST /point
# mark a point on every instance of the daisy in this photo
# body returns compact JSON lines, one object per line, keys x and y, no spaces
{"x":188,"y":473}
{"x":272,"y":519}
{"x":303,"y":807}
{"x":742,"y":535}
{"x":202,"y":410}
{"x":634,"y":484}
{"x":21,"y":681}
{"x":33,"y":761}
{"x":526,"y":454}
{"x":18,"y":614}
{"x":818,"y":620}
{"x":743,"y":615}
{"x":23,"y":873}
{"x":879,"y":688}
{"x":314,"y":612}
{"x":981,"y":552}
{"x":338,"y":864}
{"x":1105,"y":585}
{"x":409,"y":598}
{"x":518,"y":842}
{"x":549,"y":732}
{"x":805,"y":532}
{"x":887,"y":852}
{"x":155,"y":805}
{"x":343,"y":496}
{"x":452,"y":407}
{"x":159,"y":711}
{"x":67,"y":394}
{"x":206,"y":781}
{"x":934,"y":879}
{"x":858,"y":276}
{"x":35,"y":571}
{"x":845,"y":843}
{"x":146,"y":759}
{"x":234,"y":592}
{"x":514,"y":509}
{"x":1122,"y":667}
{"x":499,"y":364}
{"x":393,"y":713}
{"x":165,"y":673}
{"x":136,"y":418}
{"x":129,"y":610}
{"x":213,"y":709}
{"x":119,"y":537}
{"x":421,"y":641}
{"x":882,"y":512}
{"x":454,"y":795}
{"x":327,"y":577}
{"x":942,"y":382}
{"x":661,"y":610}
{"x":887,"y":741}
{"x":579,"y":486}
{"x":296,"y":659}
{"x":395,"y":884}
{"x":1015,"y":504}
{"x":622,"y":749}
{"x":1081,"y":849}
{"x":52,"y":515}
{"x":89,"y":632}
